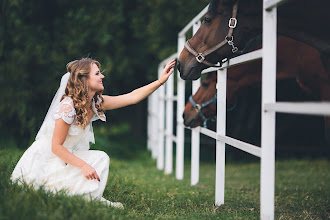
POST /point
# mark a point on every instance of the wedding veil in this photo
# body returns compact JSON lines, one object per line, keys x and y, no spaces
{"x":53,"y":105}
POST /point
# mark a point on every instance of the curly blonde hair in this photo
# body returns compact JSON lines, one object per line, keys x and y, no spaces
{"x":77,"y":88}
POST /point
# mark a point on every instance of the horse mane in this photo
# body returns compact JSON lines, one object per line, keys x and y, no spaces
{"x":213,"y":7}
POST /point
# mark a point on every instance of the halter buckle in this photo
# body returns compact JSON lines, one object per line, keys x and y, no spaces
{"x":198,"y":107}
{"x":229,"y":39}
{"x":232,"y":22}
{"x":200,"y":58}
{"x":234,"y":50}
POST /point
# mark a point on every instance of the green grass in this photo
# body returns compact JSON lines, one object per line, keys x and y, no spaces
{"x":302,"y":190}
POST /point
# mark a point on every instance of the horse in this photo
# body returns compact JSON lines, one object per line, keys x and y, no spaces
{"x":229,"y":25}
{"x":295,"y":60}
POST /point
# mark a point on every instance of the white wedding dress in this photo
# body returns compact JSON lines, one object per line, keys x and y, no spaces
{"x":40,"y":167}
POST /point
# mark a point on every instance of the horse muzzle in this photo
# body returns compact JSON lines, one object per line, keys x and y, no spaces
{"x":190,"y":121}
{"x":190,"y":71}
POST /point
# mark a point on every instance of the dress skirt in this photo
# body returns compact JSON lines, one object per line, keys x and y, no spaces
{"x":39,"y":167}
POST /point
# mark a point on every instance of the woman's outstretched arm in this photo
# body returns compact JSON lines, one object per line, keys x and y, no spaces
{"x":60,"y":132}
{"x":137,"y":95}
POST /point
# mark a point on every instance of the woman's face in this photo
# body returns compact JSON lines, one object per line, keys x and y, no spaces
{"x":95,"y":79}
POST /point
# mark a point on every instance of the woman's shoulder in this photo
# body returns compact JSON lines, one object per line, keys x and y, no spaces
{"x":66,"y":104}
{"x":65,"y":110}
{"x":67,"y":100}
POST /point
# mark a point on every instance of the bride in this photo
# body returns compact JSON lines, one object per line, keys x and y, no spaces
{"x":59,"y":158}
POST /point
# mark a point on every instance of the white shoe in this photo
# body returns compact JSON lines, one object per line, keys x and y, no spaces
{"x":117,"y":205}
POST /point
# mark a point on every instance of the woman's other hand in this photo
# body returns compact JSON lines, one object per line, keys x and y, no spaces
{"x":89,"y":172}
{"x":168,"y":70}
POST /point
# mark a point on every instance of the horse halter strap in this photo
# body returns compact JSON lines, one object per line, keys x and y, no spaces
{"x":198,"y":107}
{"x":200,"y":57}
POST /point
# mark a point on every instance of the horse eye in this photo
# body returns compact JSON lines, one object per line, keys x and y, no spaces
{"x":207,"y":20}
{"x":204,"y":84}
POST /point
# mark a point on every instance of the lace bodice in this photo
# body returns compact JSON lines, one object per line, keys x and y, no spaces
{"x":65,"y":110}
{"x":77,"y":138}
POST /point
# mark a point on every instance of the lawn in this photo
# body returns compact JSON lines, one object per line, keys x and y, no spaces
{"x":302,"y":190}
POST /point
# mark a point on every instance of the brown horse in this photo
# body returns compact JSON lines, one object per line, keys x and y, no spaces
{"x":295,"y":60}
{"x":303,"y":20}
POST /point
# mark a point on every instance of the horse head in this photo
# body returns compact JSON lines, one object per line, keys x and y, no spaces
{"x":222,"y":34}
{"x":202,"y":104}
{"x":229,"y":26}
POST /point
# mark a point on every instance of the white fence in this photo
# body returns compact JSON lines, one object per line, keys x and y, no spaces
{"x":160,"y":118}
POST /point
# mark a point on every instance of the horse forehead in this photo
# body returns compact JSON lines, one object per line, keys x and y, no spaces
{"x":215,"y":4}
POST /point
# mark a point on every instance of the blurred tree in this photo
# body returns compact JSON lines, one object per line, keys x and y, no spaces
{"x":38,"y":38}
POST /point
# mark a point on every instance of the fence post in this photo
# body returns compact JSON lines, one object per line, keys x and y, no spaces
{"x":195,"y":134}
{"x":179,"y":126}
{"x":155,"y":124}
{"x":267,"y":176}
{"x":169,"y":126}
{"x":221,"y":130}
{"x":152,"y":124}
{"x":161,"y":118}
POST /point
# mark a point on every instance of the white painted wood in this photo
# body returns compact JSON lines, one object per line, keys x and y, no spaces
{"x":179,"y":174}
{"x":161,"y":115}
{"x":153,"y":125}
{"x":149,"y":128}
{"x":156,"y":121}
{"x":195,"y":144}
{"x":270,"y":4}
{"x":245,"y":58}
{"x":161,"y":124}
{"x":307,"y":108}
{"x":267,"y":175}
{"x":173,"y":98}
{"x":195,"y":134}
{"x":208,"y":132}
{"x":169,"y":92}
{"x":249,"y":148}
{"x":221,"y":130}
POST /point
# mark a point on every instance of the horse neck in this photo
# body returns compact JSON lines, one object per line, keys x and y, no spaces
{"x":249,"y":21}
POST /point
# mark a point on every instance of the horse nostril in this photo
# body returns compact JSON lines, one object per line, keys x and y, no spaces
{"x":183,"y":115}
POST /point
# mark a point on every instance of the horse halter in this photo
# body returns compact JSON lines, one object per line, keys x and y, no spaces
{"x":199,"y":107}
{"x":200,"y":57}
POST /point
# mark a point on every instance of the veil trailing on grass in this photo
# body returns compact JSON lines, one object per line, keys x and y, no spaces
{"x":53,"y":105}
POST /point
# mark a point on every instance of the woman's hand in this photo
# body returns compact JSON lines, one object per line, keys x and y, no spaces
{"x":168,"y":70}
{"x":89,"y":172}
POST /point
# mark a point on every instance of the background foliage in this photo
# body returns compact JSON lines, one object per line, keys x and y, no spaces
{"x":129,"y":38}
{"x":38,"y":38}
